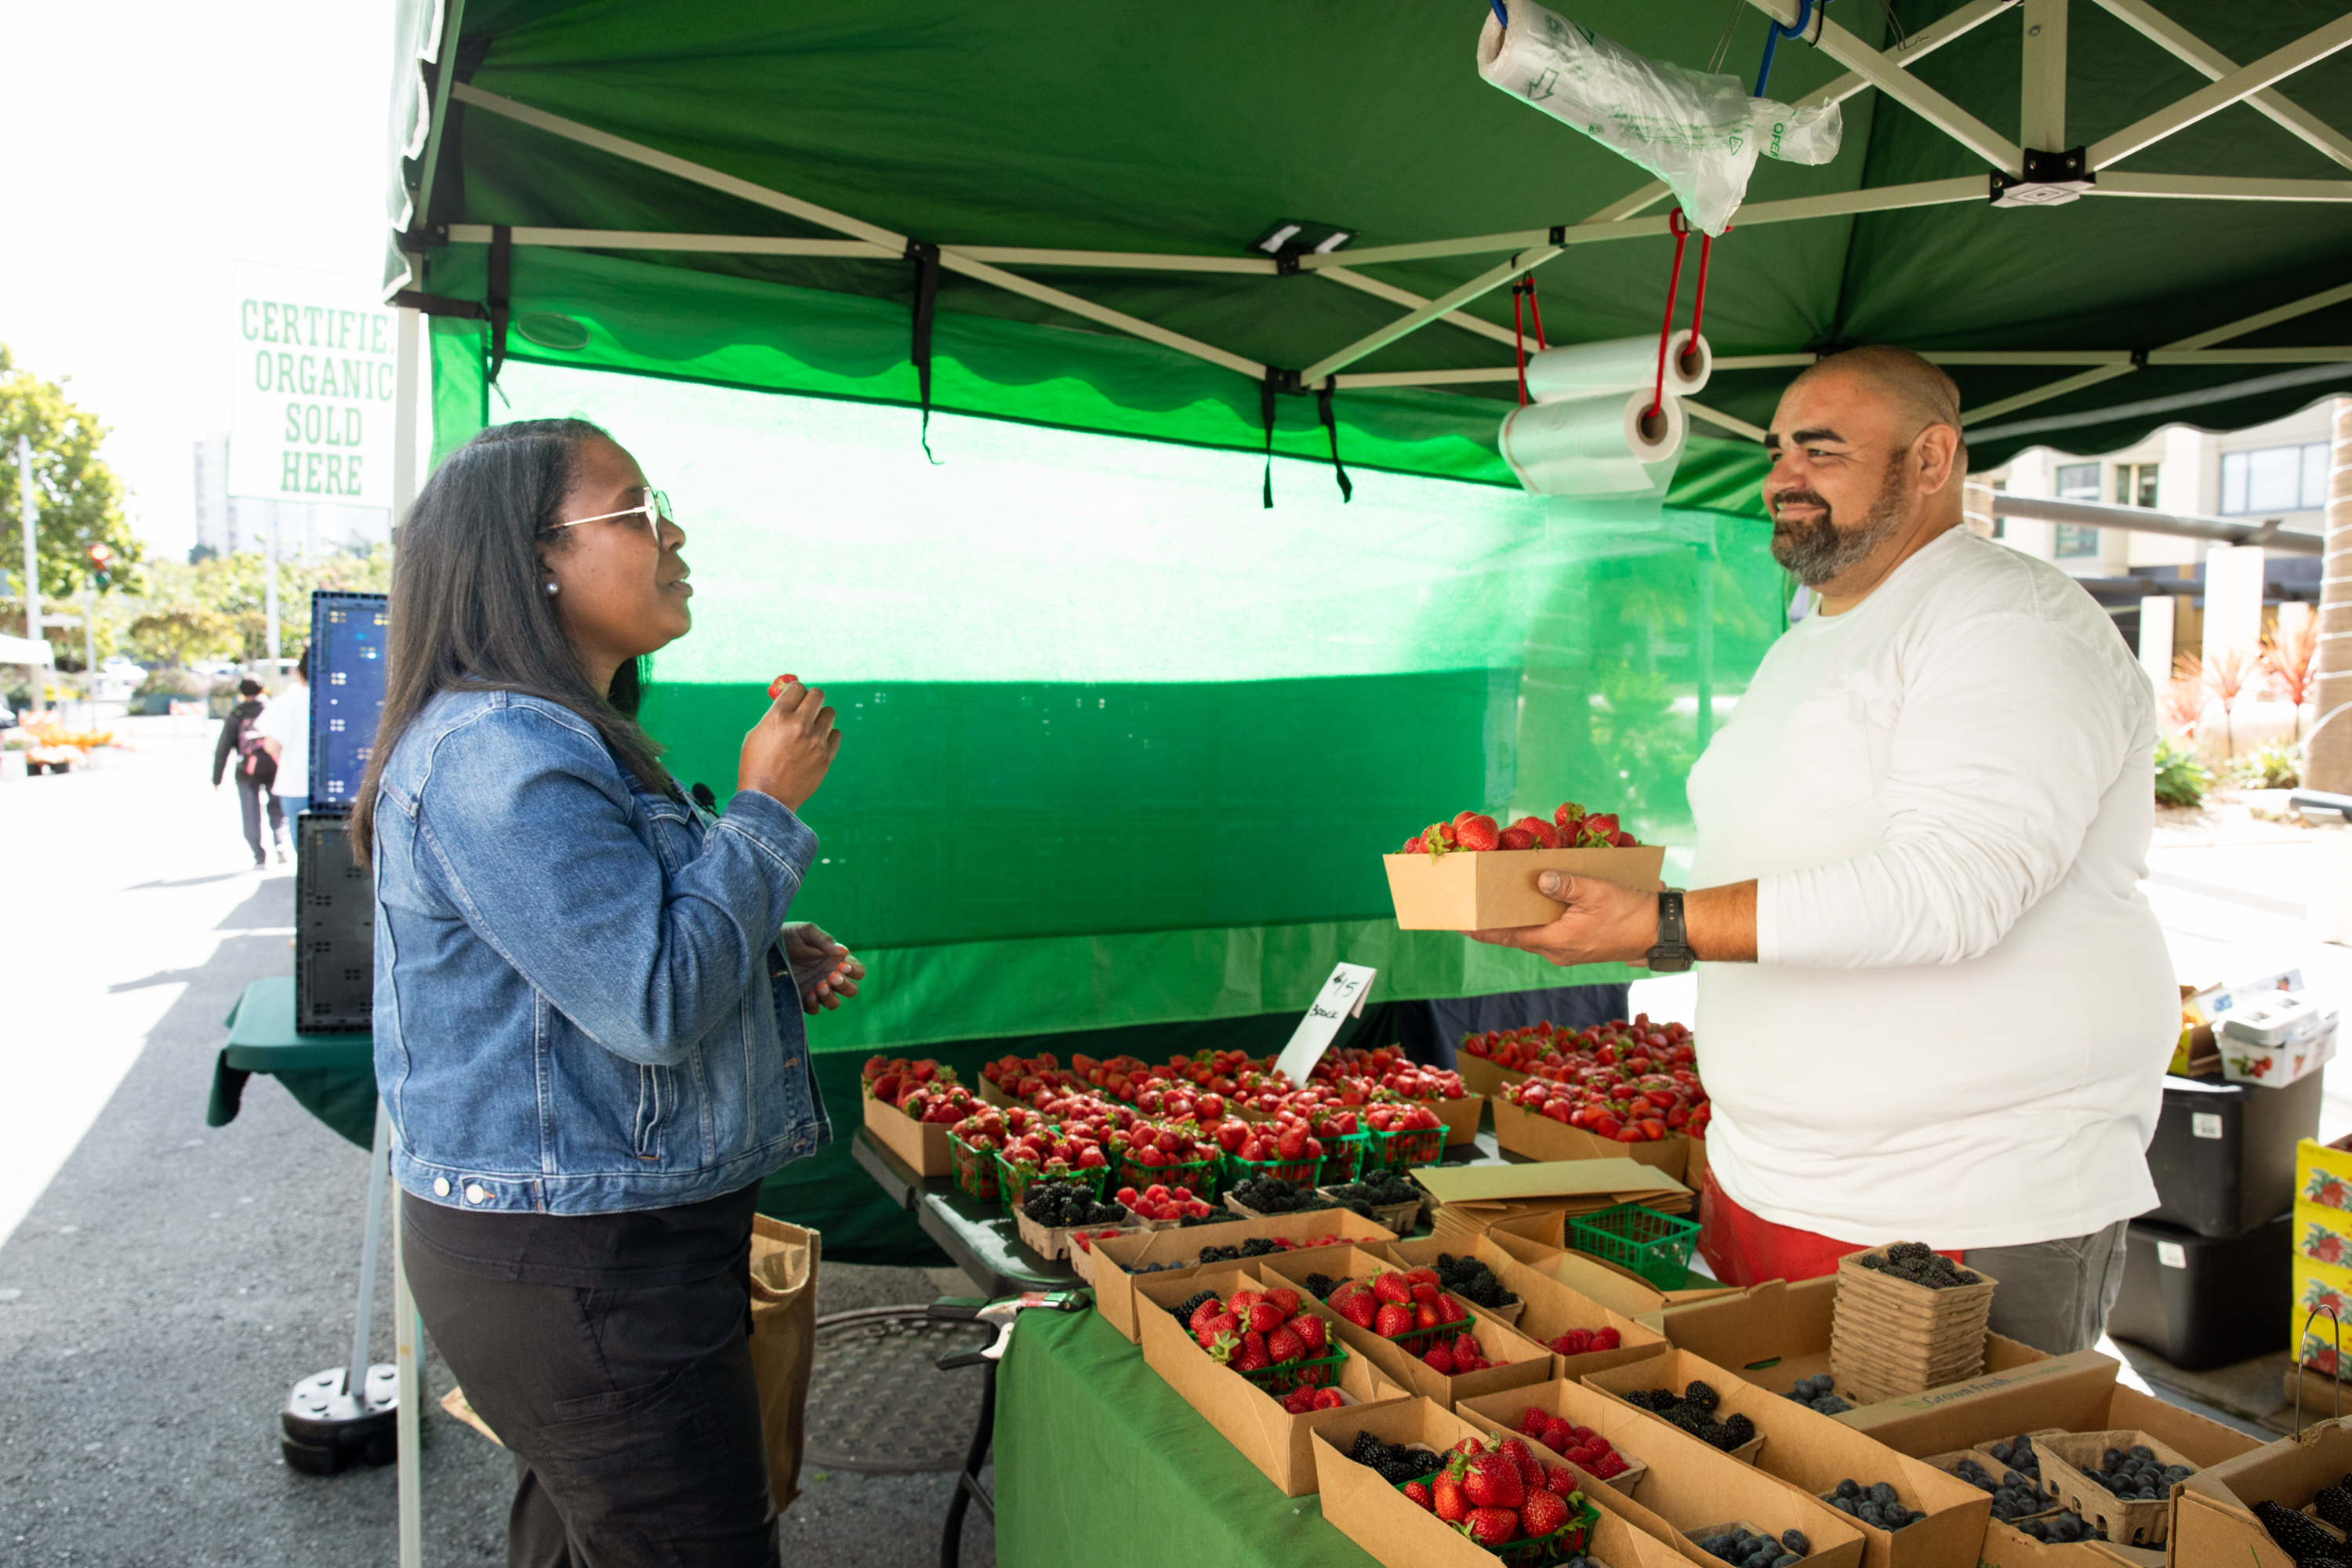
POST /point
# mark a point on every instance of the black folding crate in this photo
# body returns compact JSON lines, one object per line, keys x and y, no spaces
{"x":2203,"y":1301}
{"x":348,"y":633}
{"x":334,"y":925}
{"x":2223,"y":1154}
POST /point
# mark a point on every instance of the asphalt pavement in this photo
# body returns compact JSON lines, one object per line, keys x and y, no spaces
{"x":162,"y":1284}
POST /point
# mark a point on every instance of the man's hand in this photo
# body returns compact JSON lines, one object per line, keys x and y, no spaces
{"x":822,"y":967}
{"x":1603,"y":923}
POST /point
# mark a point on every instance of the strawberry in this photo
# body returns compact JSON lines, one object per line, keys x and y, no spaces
{"x":1479,"y":832}
{"x":1467,"y":1349}
{"x":1411,"y":846}
{"x":1543,"y":1512}
{"x":1472,"y":1447}
{"x":1360,"y":1308}
{"x":1392,"y":1287}
{"x":1571,"y":817}
{"x":1285,"y":1300}
{"x":1556,"y":1436}
{"x":1311,"y":1332}
{"x":1453,"y":1506}
{"x":1604,"y":1339}
{"x":1284,"y":1345}
{"x":1222,"y":1326}
{"x":1450,"y":1311}
{"x":1491,"y":1526}
{"x":1424,"y":1316}
{"x":1517,"y":1452}
{"x":1546,"y":835}
{"x":1425,"y":1295}
{"x":1422,"y":1276}
{"x":776,"y":686}
{"x":1533,"y":1421}
{"x":1393,"y":1321}
{"x":1490,"y":1481}
{"x":1609,"y":1464}
{"x":1204,"y":1312}
{"x":1439,"y":1359}
{"x":1559,"y":1478}
{"x":1417,"y":1494}
{"x":1264,"y":1317}
{"x":1329,"y":1399}
{"x":1514,"y":838}
{"x":1251,"y":1357}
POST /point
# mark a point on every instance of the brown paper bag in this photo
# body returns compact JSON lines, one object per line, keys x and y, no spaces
{"x":784,"y":1344}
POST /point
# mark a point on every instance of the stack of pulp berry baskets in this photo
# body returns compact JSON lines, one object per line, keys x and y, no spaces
{"x":1891,"y":1334}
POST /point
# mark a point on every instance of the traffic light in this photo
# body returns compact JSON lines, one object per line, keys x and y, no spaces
{"x":101,"y":565}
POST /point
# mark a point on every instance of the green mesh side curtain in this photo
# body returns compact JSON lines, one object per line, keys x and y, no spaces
{"x":1122,"y":746}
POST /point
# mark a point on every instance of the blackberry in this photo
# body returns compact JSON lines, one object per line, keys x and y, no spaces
{"x":1321,"y":1285}
{"x":1221,"y":1254}
{"x":1356,"y":1206}
{"x":1739,"y":1430}
{"x":1259,"y":1247}
{"x":1214,"y":1216}
{"x":1367,"y":1449}
{"x":1657,"y":1401}
{"x":1908,"y":1251}
{"x":2297,"y":1536}
{"x":1272,"y":1194}
{"x":2334,"y":1505}
{"x":1698,"y":1393}
{"x":1184,"y":1309}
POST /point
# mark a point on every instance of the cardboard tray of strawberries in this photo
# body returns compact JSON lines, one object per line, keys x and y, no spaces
{"x":909,"y":1106}
{"x":1472,"y":874}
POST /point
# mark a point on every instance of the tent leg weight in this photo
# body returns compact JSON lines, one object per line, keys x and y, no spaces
{"x":327,"y":1428}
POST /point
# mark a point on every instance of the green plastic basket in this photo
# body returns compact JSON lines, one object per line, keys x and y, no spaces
{"x":1321,"y":1372}
{"x":1199,"y":1177}
{"x":1656,"y":1245}
{"x":1402,"y":1150}
{"x":1343,"y":1157}
{"x":1416,"y":1343}
{"x":1299,"y":1172}
{"x":974,"y":1167}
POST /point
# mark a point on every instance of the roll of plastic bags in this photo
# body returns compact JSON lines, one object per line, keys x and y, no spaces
{"x":1599,"y":446}
{"x":1699,"y":133}
{"x":1619,"y":365}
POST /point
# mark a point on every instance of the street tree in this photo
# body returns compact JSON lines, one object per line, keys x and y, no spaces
{"x":76,"y":495}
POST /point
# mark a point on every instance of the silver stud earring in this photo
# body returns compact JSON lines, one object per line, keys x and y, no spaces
{"x":550,"y":587}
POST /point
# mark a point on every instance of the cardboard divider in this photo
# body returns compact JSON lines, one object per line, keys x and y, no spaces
{"x":1398,"y":1533}
{"x":1690,"y":1483}
{"x":1252,"y":1420}
{"x":1517,"y":1361}
{"x":920,"y":1146}
{"x":1460,"y":1116}
{"x":1482,"y":1077}
{"x":1119,"y":1264}
{"x":1520,"y":1130}
{"x":2067,"y":1461}
{"x":1552,"y":1308}
{"x":1579,"y":1406}
{"x":2213,"y":1524}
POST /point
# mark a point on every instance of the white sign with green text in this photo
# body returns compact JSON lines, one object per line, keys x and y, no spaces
{"x":311,"y":412}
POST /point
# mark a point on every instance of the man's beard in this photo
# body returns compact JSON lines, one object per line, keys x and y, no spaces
{"x":1817,"y":550}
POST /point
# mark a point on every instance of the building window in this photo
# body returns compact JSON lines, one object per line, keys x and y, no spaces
{"x":2136,"y":484}
{"x":2078,"y":481}
{"x":2275,"y":479}
{"x":2076,"y":543}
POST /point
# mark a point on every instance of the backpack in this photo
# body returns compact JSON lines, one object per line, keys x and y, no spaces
{"x":253,"y":759}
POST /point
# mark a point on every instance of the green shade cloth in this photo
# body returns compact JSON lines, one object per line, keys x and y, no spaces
{"x":1192,"y":128}
{"x":1098,"y":1460}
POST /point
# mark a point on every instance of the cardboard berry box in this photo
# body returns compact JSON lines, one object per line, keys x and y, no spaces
{"x":920,"y":1146}
{"x":1517,"y":1361}
{"x":1579,"y":1406}
{"x":1549,"y":1308}
{"x":1399,"y":1533}
{"x":1518,"y":1131}
{"x":1248,"y":1418}
{"x":1119,"y":1265}
{"x":1677,"y":1369}
{"x":1480,"y":890}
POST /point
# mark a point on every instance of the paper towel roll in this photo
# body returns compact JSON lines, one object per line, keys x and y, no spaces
{"x":1591,"y":445}
{"x":1619,"y":365}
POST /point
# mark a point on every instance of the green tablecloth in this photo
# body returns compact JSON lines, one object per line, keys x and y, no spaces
{"x":1098,"y":1460}
{"x":333,"y":1076}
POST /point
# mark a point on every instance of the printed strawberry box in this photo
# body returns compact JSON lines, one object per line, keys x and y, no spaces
{"x":1472,"y":874}
{"x":1266,"y":1413}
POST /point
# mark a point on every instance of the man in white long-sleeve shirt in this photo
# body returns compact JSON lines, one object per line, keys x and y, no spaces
{"x":1933,"y":1004}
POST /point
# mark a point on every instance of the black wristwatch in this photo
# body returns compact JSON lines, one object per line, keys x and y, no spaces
{"x":1673,"y":953}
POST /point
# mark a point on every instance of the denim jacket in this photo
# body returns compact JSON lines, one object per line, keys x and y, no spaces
{"x":578,"y":1005}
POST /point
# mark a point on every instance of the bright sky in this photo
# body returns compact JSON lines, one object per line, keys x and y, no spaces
{"x":157,"y":143}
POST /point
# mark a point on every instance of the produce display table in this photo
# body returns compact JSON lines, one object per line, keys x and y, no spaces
{"x":333,"y":1076}
{"x":1098,"y":1458}
{"x":973,"y":1232}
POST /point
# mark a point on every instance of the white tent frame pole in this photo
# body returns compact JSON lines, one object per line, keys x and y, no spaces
{"x":2219,"y":187}
{"x":1913,"y":47}
{"x":1887,"y":75}
{"x":885,"y":240}
{"x":2243,"y":82}
{"x":2184,"y":45}
{"x":1486,"y":282}
{"x":1737,"y":426}
{"x":1406,"y":297}
{"x":2041,"y":96}
{"x":2176,"y":352}
{"x":444,"y":72}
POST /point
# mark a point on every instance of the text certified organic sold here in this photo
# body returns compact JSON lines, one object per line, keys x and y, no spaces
{"x":311,"y":406}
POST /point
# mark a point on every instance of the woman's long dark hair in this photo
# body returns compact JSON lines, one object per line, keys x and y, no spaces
{"x":467,"y":609}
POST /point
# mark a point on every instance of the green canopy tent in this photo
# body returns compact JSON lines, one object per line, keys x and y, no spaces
{"x":1124,"y":744}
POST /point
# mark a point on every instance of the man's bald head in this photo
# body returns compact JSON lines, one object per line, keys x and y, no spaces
{"x":1925,"y":394}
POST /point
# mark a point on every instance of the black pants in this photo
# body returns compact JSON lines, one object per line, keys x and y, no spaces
{"x":249,"y":798}
{"x":632,"y":1416}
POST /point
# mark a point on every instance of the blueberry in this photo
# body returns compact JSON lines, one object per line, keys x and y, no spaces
{"x":1848,"y":1488}
{"x":1794,"y":1539}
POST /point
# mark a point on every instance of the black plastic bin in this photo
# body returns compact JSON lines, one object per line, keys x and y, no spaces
{"x":2202,"y":1300}
{"x":2223,"y":1155}
{"x":334,"y":920}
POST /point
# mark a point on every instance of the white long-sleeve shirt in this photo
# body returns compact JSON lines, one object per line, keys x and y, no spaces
{"x":1957,"y":1026}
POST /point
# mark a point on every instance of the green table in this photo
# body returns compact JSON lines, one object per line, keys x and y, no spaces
{"x":1098,"y":1460}
{"x":333,"y":1076}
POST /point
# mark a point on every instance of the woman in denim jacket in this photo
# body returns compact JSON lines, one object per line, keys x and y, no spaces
{"x":588,"y":1029}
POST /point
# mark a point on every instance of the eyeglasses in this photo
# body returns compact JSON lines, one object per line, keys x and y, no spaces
{"x":654,"y":508}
